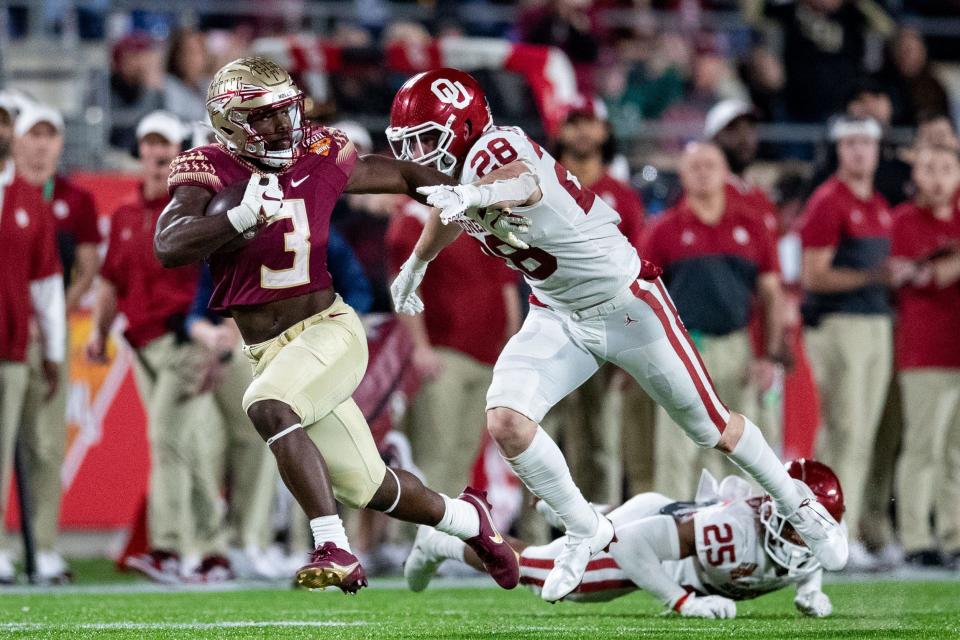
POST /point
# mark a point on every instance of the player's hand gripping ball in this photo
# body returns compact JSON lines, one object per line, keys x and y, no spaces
{"x":249,"y":204}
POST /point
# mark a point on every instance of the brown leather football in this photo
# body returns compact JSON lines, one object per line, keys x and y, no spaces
{"x":224,"y":200}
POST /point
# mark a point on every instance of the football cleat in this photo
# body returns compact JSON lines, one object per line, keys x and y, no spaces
{"x":331,"y":566}
{"x":820,"y":531}
{"x":498,"y":557}
{"x":570,"y":565}
{"x":423,"y":561}
{"x":159,"y":566}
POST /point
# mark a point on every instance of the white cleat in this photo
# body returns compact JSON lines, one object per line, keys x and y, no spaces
{"x":824,"y":535}
{"x":571,"y":564}
{"x":423,"y":561}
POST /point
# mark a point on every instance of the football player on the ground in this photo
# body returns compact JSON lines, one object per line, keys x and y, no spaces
{"x":697,"y":558}
{"x":593,"y":301}
{"x":307,"y":347}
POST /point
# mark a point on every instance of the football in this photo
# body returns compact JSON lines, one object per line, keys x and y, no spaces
{"x":224,"y":200}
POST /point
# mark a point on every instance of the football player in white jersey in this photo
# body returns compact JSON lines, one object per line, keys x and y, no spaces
{"x":698,"y":558}
{"x":594,"y":300}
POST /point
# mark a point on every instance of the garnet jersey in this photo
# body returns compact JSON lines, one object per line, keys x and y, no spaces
{"x":577,"y":256}
{"x":730,"y":559}
{"x":288,"y":257}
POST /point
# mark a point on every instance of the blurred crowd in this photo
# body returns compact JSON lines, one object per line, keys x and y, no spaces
{"x":838,"y":260}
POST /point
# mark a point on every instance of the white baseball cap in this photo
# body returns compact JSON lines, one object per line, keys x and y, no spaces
{"x":33,"y":114}
{"x":725,"y":112}
{"x":162,"y":123}
{"x":844,"y":126}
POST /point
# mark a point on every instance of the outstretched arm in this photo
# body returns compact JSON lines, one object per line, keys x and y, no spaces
{"x":379,"y":174}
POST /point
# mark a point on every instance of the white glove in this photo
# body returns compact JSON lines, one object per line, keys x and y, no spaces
{"x":262,"y":201}
{"x":712,"y":607}
{"x":461,"y":202}
{"x":815,"y":604}
{"x":404,"y":287}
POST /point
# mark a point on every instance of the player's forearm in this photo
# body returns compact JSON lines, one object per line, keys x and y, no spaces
{"x":506,"y":187}
{"x":378,"y":174}
{"x":434,"y":237}
{"x":182,"y":239}
{"x":641,"y":547}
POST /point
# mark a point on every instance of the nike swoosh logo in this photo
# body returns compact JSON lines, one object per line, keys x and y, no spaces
{"x":497,"y":539}
{"x":334,"y":315}
{"x":266,"y":197}
{"x":297,"y":183}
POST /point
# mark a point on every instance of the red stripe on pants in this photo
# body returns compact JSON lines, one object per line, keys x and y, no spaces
{"x":672,"y":336}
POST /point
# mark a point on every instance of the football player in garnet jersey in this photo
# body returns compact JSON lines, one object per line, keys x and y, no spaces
{"x":697,"y":558}
{"x":307,"y":347}
{"x":593,"y":301}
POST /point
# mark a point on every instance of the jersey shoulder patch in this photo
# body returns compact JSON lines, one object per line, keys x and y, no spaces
{"x":194,"y":167}
{"x":333,"y":143}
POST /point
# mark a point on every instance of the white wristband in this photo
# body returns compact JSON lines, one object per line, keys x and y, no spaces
{"x":242,"y":217}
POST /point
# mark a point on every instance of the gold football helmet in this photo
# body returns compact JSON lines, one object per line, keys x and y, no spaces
{"x":246,"y":89}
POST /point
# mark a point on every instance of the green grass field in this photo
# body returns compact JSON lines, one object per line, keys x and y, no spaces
{"x":105,"y":606}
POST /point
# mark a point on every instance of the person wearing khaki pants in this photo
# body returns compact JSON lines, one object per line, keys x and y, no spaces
{"x":845,"y":231}
{"x":33,"y":287}
{"x":169,"y":369}
{"x":717,"y":256}
{"x":38,"y":146}
{"x":472,"y":307}
{"x":925,"y":263}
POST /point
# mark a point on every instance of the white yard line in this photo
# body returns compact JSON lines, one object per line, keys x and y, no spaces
{"x":174,"y":626}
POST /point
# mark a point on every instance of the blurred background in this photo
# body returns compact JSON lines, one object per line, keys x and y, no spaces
{"x":617,"y":89}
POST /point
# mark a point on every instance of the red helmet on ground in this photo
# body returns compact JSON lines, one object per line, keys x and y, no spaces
{"x":436,"y":117}
{"x":822,"y":481}
{"x":780,"y":541}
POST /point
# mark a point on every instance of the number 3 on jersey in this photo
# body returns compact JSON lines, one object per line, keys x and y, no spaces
{"x":297,"y":242}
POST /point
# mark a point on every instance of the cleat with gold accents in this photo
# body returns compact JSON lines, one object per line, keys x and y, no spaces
{"x":331,"y":566}
{"x":498,"y":557}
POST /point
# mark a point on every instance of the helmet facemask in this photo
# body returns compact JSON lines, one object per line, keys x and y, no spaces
{"x":413,"y":144}
{"x":798,"y":560}
{"x":257,"y":145}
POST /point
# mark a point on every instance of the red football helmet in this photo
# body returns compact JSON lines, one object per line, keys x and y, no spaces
{"x":822,"y":481}
{"x":779,"y":540}
{"x":436,"y":117}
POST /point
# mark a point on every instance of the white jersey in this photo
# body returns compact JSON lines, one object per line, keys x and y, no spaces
{"x":578,"y":257}
{"x":730,"y":559}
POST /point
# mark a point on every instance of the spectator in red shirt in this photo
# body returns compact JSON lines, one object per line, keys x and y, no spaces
{"x":169,"y":369}
{"x":589,"y":417}
{"x":717,"y":257}
{"x":37,"y":148}
{"x":845,"y":233}
{"x":472,"y":307}
{"x":926,"y":260}
{"x":32,"y":285}
{"x":732,"y":125}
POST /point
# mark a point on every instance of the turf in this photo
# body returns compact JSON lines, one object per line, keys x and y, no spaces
{"x":869,"y":610}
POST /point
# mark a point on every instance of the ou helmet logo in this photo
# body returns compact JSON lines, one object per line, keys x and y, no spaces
{"x":450,"y":92}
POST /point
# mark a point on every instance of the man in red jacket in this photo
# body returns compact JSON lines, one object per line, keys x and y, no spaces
{"x":32,"y":285}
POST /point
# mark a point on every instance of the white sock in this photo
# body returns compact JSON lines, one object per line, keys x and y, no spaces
{"x":754,"y":455}
{"x":329,"y":529}
{"x":449,"y":547}
{"x":544,"y":471}
{"x":460,"y":519}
